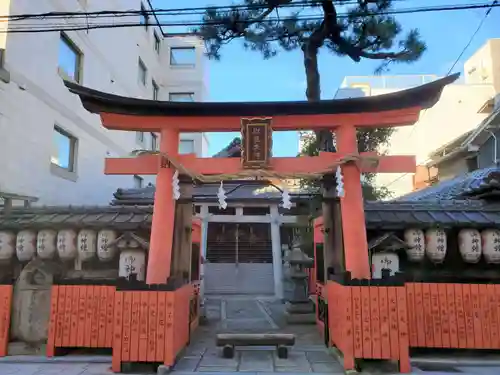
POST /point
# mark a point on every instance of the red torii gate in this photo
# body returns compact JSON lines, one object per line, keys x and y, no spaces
{"x":341,"y":116}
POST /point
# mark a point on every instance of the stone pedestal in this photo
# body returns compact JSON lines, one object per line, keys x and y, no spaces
{"x":31,"y":302}
{"x":299,"y":308}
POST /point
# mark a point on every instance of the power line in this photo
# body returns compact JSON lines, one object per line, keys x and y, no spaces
{"x":490,"y":7}
{"x":31,"y":28}
{"x":493,"y":4}
{"x":170,"y":11}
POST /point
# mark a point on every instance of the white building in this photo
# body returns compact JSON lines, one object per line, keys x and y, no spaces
{"x":460,"y":109}
{"x":51,"y":148}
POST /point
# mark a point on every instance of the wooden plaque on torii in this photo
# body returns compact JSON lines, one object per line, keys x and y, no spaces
{"x":256,"y":143}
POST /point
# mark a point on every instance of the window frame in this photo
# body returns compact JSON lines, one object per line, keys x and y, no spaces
{"x":69,"y":173}
{"x":64,"y":38}
{"x":156,"y":89}
{"x":143,"y":69}
{"x":170,"y":94}
{"x":139,"y":137}
{"x":154,"y":142}
{"x":138,"y":179}
{"x":157,"y":42}
{"x":180,"y":65}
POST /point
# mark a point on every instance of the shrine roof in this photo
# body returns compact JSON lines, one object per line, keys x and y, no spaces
{"x":208,"y":193}
{"x":379,"y":215}
{"x":124,"y":218}
{"x":461,"y":187}
{"x":424,"y":96}
{"x":445,"y":213}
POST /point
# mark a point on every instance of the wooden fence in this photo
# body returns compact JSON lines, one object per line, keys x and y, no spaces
{"x":5,"y":311}
{"x":459,"y":316}
{"x":81,"y":316}
{"x":150,"y":326}
{"x":384,"y":322}
{"x":369,"y":322}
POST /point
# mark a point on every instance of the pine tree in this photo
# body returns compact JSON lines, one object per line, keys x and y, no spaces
{"x":357,"y":29}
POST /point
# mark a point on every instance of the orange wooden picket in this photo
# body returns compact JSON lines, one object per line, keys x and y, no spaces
{"x":369,"y":322}
{"x":5,"y":309}
{"x":458,"y":316}
{"x":81,"y":316}
{"x":194,"y":312}
{"x":150,"y":326}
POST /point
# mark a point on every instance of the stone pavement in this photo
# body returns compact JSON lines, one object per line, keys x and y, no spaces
{"x":232,"y":314}
{"x":104,"y":369}
{"x":55,"y":369}
{"x":259,"y":315}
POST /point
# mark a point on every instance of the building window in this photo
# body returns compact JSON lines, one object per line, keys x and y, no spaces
{"x":63,"y":150}
{"x":138,"y":182}
{"x":186,"y":146}
{"x":143,"y":72}
{"x":183,"y":56}
{"x":139,"y":137}
{"x":181,"y":96}
{"x":154,"y":142}
{"x":70,"y":59}
{"x":156,"y":90}
{"x":144,"y":17}
{"x":472,"y":163}
{"x":157,"y":43}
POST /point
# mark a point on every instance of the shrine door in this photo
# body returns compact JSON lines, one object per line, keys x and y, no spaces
{"x":239,"y":259}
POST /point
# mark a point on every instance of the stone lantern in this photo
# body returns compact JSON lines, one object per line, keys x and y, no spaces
{"x":299,"y":308}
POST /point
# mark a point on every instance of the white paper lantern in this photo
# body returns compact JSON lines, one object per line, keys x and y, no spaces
{"x":491,"y":245}
{"x":435,"y":245}
{"x":25,"y":245}
{"x":415,"y":239}
{"x":132,"y":261}
{"x":382,"y":261}
{"x":46,"y":243}
{"x":66,"y":244}
{"x":7,"y":245}
{"x":104,"y":237}
{"x":469,"y":245}
{"x":87,"y":244}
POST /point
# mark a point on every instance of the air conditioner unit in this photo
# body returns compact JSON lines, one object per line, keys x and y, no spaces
{"x":472,"y":148}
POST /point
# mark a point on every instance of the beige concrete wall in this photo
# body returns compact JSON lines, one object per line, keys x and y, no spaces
{"x":483,"y":67}
{"x":454,"y":114}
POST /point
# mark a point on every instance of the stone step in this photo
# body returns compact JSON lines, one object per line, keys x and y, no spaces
{"x":299,"y":308}
{"x":300,"y":318}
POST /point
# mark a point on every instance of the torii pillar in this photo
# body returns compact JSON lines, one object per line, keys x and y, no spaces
{"x":162,"y":228}
{"x":353,"y":212}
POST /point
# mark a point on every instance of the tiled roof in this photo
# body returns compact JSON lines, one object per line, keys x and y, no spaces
{"x":379,"y":215}
{"x":233,"y":149}
{"x":397,"y":215}
{"x":208,"y":193}
{"x":63,"y":217}
{"x":456,"y":188}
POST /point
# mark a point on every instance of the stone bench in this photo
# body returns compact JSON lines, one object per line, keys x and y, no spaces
{"x":280,"y":340}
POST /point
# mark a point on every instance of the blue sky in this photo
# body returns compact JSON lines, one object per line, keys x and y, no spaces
{"x":244,"y":76}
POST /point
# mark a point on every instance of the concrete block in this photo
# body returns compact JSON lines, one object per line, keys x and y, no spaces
{"x":163,"y":370}
{"x":300,"y":308}
{"x":301,"y":318}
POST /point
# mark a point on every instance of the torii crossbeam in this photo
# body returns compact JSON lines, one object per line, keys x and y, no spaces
{"x":343,"y":117}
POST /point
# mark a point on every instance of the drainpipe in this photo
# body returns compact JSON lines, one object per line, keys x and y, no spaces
{"x":495,"y":150}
